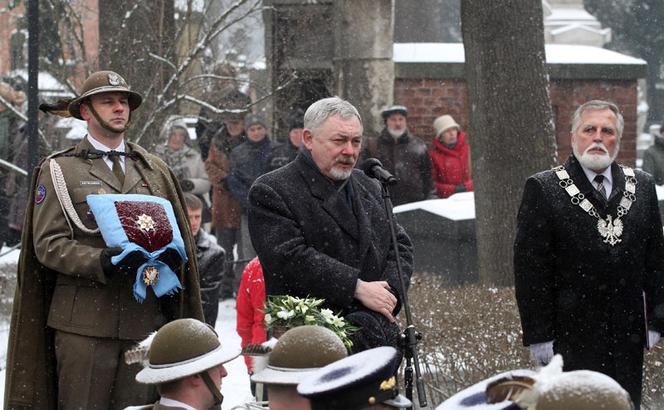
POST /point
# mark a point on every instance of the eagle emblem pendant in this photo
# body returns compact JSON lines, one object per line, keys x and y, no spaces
{"x":150,"y":275}
{"x":610,"y":230}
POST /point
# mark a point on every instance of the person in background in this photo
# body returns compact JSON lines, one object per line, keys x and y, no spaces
{"x":450,"y":158}
{"x":653,"y":158}
{"x":250,"y":303}
{"x":403,"y":154}
{"x":589,"y":256}
{"x":226,"y":209}
{"x":184,"y":161}
{"x":210,"y":258}
{"x":284,"y":153}
{"x":248,"y":162}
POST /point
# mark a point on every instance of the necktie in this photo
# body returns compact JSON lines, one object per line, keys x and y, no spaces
{"x":599,"y":185}
{"x":117,"y":168}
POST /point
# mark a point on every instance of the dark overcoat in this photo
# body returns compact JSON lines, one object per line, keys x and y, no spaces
{"x":310,"y":242}
{"x":586,"y":295}
{"x":408,"y":159}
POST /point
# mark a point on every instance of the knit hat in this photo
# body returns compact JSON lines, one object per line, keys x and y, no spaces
{"x":295,"y":119}
{"x":253,"y":119}
{"x":444,"y":123}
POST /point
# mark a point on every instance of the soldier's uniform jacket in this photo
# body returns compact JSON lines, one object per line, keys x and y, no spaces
{"x":64,"y":268}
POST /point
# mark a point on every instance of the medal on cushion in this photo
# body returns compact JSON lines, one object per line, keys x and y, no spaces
{"x":610,"y":229}
{"x":150,"y":275}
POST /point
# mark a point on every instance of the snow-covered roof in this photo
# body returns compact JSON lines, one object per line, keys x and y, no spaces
{"x":48,"y":85}
{"x":577,"y":15}
{"x":555,"y":54}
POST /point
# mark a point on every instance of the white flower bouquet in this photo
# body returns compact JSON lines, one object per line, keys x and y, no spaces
{"x":286,"y":311}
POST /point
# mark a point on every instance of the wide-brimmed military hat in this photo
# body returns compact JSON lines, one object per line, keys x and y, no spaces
{"x":182,"y":348}
{"x":299,"y":352}
{"x":103,"y":82}
{"x":356,"y":382}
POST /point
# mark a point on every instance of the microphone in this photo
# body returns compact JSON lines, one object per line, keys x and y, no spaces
{"x":374,"y":169}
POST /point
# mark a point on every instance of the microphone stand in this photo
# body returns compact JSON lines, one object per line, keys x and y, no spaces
{"x":410,"y":336}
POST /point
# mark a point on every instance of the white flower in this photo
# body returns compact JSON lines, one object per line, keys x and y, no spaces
{"x":268,"y":319}
{"x":285,"y":314}
{"x":309,"y":319}
{"x":328,"y":315}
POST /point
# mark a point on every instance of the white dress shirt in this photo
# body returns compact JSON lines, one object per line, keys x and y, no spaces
{"x":101,"y":147}
{"x":608,"y":179}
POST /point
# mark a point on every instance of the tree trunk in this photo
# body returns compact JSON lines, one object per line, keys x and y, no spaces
{"x":511,"y":121}
{"x":129,"y":32}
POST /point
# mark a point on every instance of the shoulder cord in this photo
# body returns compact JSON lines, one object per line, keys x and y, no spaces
{"x":60,"y":187}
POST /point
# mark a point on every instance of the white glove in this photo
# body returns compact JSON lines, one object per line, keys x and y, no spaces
{"x":653,"y":338}
{"x":542,"y":353}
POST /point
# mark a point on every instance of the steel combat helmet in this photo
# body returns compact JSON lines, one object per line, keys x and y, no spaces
{"x":299,"y":352}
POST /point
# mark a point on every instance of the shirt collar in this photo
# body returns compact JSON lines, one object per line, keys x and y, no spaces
{"x":101,"y":147}
{"x":174,"y":403}
{"x":590,"y":174}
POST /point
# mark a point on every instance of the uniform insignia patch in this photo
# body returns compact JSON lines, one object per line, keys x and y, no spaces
{"x":40,"y":194}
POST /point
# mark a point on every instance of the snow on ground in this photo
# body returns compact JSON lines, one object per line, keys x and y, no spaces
{"x":235,"y":387}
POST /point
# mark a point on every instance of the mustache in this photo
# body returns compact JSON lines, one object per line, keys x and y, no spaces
{"x":345,"y":160}
{"x":598,"y":146}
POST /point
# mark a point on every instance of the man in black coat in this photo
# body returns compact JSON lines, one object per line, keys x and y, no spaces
{"x":588,"y":270}
{"x":320,"y":228}
{"x":404,"y":155}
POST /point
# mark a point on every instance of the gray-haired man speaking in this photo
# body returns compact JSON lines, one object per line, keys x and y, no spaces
{"x":320,"y":228}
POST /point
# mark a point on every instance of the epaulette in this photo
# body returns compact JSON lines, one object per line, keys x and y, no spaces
{"x":60,"y":153}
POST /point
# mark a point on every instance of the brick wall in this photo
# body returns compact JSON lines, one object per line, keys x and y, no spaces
{"x":427,"y":99}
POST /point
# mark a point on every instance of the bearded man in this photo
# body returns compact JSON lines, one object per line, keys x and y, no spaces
{"x":404,"y":155}
{"x":320,"y":228}
{"x":589,"y":254}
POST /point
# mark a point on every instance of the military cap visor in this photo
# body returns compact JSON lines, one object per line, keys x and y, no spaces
{"x":394,"y":109}
{"x":357,"y":381}
{"x":103,"y":82}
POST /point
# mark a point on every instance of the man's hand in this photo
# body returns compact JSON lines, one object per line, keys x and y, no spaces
{"x":377,"y":297}
{"x":128,"y":265}
{"x":542,"y":353}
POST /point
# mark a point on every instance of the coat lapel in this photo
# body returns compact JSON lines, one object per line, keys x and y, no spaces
{"x":333,"y":202}
{"x":618,"y":185}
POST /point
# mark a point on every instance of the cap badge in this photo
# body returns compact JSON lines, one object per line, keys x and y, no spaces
{"x":388,"y":384}
{"x":114,"y":79}
{"x":145,"y":223}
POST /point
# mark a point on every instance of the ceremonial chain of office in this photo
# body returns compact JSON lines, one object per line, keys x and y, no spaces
{"x":610,"y":229}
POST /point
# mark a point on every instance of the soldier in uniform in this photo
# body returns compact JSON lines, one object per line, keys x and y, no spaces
{"x":299,"y":352}
{"x":74,"y":314}
{"x":188,"y":375}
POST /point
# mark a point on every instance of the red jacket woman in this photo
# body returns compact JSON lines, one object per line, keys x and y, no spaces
{"x":450,"y":158}
{"x":250,"y":302}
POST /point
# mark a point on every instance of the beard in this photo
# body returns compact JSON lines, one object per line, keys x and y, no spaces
{"x":339,"y":174}
{"x":396,"y":133}
{"x":596,"y":162}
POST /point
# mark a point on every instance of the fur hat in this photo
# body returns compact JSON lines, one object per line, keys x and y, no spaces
{"x":444,"y":123}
